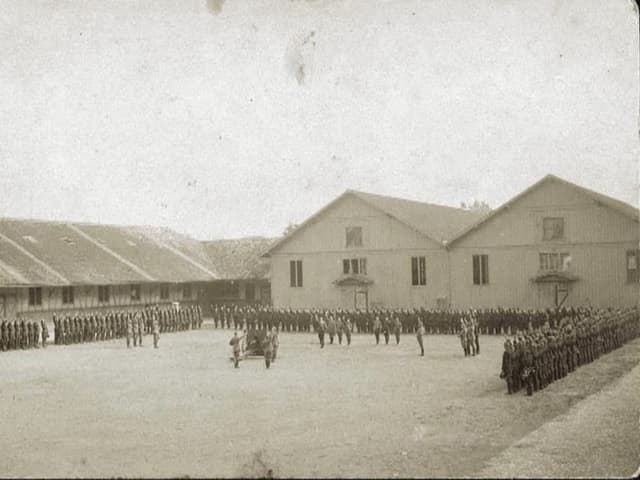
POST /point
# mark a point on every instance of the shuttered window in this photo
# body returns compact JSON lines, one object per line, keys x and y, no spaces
{"x":418,"y":271}
{"x":480,"y":269}
{"x":633,"y":275}
{"x":295,"y":273}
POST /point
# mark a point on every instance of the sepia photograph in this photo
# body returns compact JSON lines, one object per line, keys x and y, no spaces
{"x":319,"y":239}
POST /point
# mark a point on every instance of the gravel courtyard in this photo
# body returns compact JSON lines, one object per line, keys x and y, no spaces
{"x":100,"y":410}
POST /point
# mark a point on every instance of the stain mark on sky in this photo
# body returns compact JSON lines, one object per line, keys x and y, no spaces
{"x":299,"y":56}
{"x":215,"y":6}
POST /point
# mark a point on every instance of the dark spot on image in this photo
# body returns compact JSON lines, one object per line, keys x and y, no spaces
{"x":215,"y":6}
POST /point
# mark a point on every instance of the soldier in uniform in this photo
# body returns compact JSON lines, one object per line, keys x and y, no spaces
{"x":419,"y":334}
{"x":235,"y":344}
{"x":140,"y":327}
{"x":45,"y":333}
{"x":36,"y":334}
{"x":130,"y":331}
{"x":23,"y":335}
{"x":386,"y":328}
{"x":346,"y":327}
{"x":321,"y":326}
{"x":397,"y":326}
{"x":507,"y":372}
{"x":267,"y":348}
{"x":155,"y":329}
{"x":276,"y":343}
{"x":331,"y":328}
{"x":11,"y":335}
{"x":377,"y":327}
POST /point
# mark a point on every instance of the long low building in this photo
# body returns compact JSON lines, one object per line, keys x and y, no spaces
{"x":48,"y":267}
{"x":554,"y":244}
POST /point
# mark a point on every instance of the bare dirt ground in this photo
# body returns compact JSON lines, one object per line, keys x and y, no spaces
{"x":100,"y":410}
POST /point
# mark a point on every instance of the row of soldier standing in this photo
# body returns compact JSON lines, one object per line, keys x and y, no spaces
{"x":21,"y":335}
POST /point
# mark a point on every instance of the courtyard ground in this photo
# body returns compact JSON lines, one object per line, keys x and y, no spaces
{"x":100,"y":410}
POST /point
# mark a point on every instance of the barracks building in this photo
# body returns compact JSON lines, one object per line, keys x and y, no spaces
{"x":556,"y":243}
{"x":62,"y":267}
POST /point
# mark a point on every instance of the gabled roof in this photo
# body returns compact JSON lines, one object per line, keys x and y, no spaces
{"x":617,"y":205}
{"x":436,"y":222}
{"x":34,"y":252}
{"x":240,"y":258}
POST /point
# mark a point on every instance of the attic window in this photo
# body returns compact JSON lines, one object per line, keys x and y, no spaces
{"x":29,"y":238}
{"x":68,"y":241}
{"x":130,"y":243}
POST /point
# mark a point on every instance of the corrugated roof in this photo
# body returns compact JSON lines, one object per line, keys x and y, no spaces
{"x":241,"y":258}
{"x":437,"y":222}
{"x":34,"y":252}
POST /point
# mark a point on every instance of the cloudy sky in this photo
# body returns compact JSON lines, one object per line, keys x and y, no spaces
{"x":233,"y":118}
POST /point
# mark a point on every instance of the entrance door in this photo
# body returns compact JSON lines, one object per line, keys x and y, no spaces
{"x":553,"y":294}
{"x":362,"y":299}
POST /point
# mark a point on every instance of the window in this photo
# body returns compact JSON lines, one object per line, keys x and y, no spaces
{"x":295,"y":272}
{"x":553,"y":262}
{"x":480,"y":269}
{"x":355,"y":266}
{"x":354,"y":237}
{"x":103,"y":293}
{"x":35,"y":296}
{"x":67,"y":295}
{"x":135,"y":292}
{"x":633,"y":275}
{"x":552,"y":228}
{"x":250,"y":292}
{"x":418,"y":271}
{"x":363,"y":266}
{"x":186,"y":291}
{"x":164,"y":292}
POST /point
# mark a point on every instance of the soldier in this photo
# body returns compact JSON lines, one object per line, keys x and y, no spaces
{"x":397,"y":326}
{"x":321,"y":326}
{"x":155,"y":329}
{"x":528,"y":368}
{"x":267,"y":348}
{"x":276,"y":343}
{"x":11,"y":335}
{"x":130,"y":330}
{"x":476,"y":334}
{"x":386,"y":328}
{"x":331,"y":328}
{"x":507,"y":372}
{"x":235,"y":344}
{"x":36,"y":334}
{"x":4,"y":336}
{"x":347,"y":329}
{"x":463,"y":338}
{"x":23,"y":335}
{"x":377,"y":327}
{"x":140,"y":327}
{"x":419,"y":334}
{"x":45,"y":333}
{"x":339,"y":328}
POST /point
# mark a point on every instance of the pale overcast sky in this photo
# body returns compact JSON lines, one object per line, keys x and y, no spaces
{"x":232,"y":118}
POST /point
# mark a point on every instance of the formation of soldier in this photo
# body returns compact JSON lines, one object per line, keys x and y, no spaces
{"x":21,"y":335}
{"x":131,"y":324}
{"x":539,"y":356}
{"x":494,"y":321}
